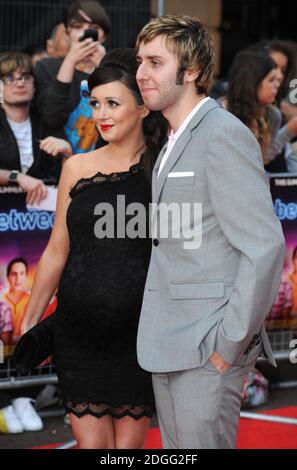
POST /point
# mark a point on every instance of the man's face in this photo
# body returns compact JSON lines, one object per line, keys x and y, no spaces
{"x":18,"y":88}
{"x":77,"y":29}
{"x":17,"y":278}
{"x":157,"y":75}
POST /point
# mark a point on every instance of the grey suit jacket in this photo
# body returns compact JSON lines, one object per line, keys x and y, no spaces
{"x":214,"y":297}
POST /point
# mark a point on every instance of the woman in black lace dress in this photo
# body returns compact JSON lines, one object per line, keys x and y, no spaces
{"x":98,"y":254}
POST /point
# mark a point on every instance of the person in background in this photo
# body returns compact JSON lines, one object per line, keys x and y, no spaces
{"x":17,"y":413}
{"x":58,"y":43}
{"x":63,"y":96}
{"x":9,"y":421}
{"x":30,"y":151}
{"x":284,"y":54}
{"x":253,"y":87}
{"x":36,"y":53}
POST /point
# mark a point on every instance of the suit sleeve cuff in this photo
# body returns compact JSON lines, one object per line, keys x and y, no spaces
{"x":227,"y":348}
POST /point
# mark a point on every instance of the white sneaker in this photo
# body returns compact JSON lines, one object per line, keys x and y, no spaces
{"x":27,"y":414}
{"x":9,"y":421}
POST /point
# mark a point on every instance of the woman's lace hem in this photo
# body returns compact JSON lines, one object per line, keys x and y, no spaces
{"x":98,"y":410}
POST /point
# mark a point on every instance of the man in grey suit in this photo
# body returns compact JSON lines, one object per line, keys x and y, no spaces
{"x":205,"y":300}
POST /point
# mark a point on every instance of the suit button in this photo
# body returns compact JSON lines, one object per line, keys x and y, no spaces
{"x":155,"y":242}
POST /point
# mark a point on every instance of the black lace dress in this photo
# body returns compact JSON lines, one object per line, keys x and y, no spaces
{"x":99,"y":302}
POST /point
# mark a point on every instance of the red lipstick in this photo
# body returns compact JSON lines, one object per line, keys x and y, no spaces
{"x":106,"y":127}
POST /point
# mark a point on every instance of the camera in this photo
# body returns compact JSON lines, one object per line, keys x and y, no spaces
{"x":89,"y":33}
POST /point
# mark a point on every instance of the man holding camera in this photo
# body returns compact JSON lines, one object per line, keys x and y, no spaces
{"x":62,"y":97}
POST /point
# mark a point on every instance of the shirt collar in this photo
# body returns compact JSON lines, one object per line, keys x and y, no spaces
{"x":174,"y":136}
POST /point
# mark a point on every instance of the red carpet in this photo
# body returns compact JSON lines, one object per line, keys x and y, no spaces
{"x":262,"y":435}
{"x":251,"y":435}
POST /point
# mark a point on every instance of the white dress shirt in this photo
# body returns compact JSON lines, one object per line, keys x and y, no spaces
{"x":174,"y":136}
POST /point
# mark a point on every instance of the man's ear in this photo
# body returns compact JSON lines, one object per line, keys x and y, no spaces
{"x":191,"y":75}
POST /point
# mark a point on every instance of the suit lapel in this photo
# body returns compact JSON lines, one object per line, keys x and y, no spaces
{"x":181,"y":143}
{"x":176,"y":152}
{"x":156,"y":169}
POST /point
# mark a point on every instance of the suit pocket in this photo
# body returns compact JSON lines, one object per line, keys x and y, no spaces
{"x":197,"y":290}
{"x":249,"y":358}
{"x":173,"y":180}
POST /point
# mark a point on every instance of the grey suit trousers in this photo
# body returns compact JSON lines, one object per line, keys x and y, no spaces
{"x":199,"y":408}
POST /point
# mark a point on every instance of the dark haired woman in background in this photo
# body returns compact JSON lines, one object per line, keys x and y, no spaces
{"x":101,"y":276}
{"x":284,"y":54}
{"x":253,"y":86}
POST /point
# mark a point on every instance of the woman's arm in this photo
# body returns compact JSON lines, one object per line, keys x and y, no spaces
{"x":53,"y":260}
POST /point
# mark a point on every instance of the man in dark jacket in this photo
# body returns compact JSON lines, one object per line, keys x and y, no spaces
{"x":28,"y":147}
{"x":62,"y":98}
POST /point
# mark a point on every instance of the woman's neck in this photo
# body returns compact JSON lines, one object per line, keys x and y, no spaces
{"x":125,"y":155}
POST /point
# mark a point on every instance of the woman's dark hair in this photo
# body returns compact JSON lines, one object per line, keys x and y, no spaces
{"x":121,"y":65}
{"x":288,"y":49}
{"x":246,"y":73}
{"x":92,"y":9}
{"x":294,"y":253}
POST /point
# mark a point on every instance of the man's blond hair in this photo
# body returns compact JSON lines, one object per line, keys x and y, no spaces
{"x":190,"y":41}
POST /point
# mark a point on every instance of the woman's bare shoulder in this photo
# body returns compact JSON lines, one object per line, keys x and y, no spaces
{"x":78,"y":164}
{"x":82,"y":165}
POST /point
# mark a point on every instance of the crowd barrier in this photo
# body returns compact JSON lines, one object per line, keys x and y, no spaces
{"x":24,"y":233}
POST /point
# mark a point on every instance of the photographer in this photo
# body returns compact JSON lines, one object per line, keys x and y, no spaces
{"x":62,"y":96}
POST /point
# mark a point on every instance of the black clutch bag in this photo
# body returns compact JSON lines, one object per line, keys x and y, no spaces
{"x":35,"y":346}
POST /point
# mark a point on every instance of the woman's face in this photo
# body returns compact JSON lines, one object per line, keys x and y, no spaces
{"x":281,"y":61}
{"x":268,"y":88}
{"x":115,"y":111}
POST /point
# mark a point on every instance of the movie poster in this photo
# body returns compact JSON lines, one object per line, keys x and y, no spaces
{"x":24,"y":234}
{"x":283,"y":315}
{"x":23,"y":238}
